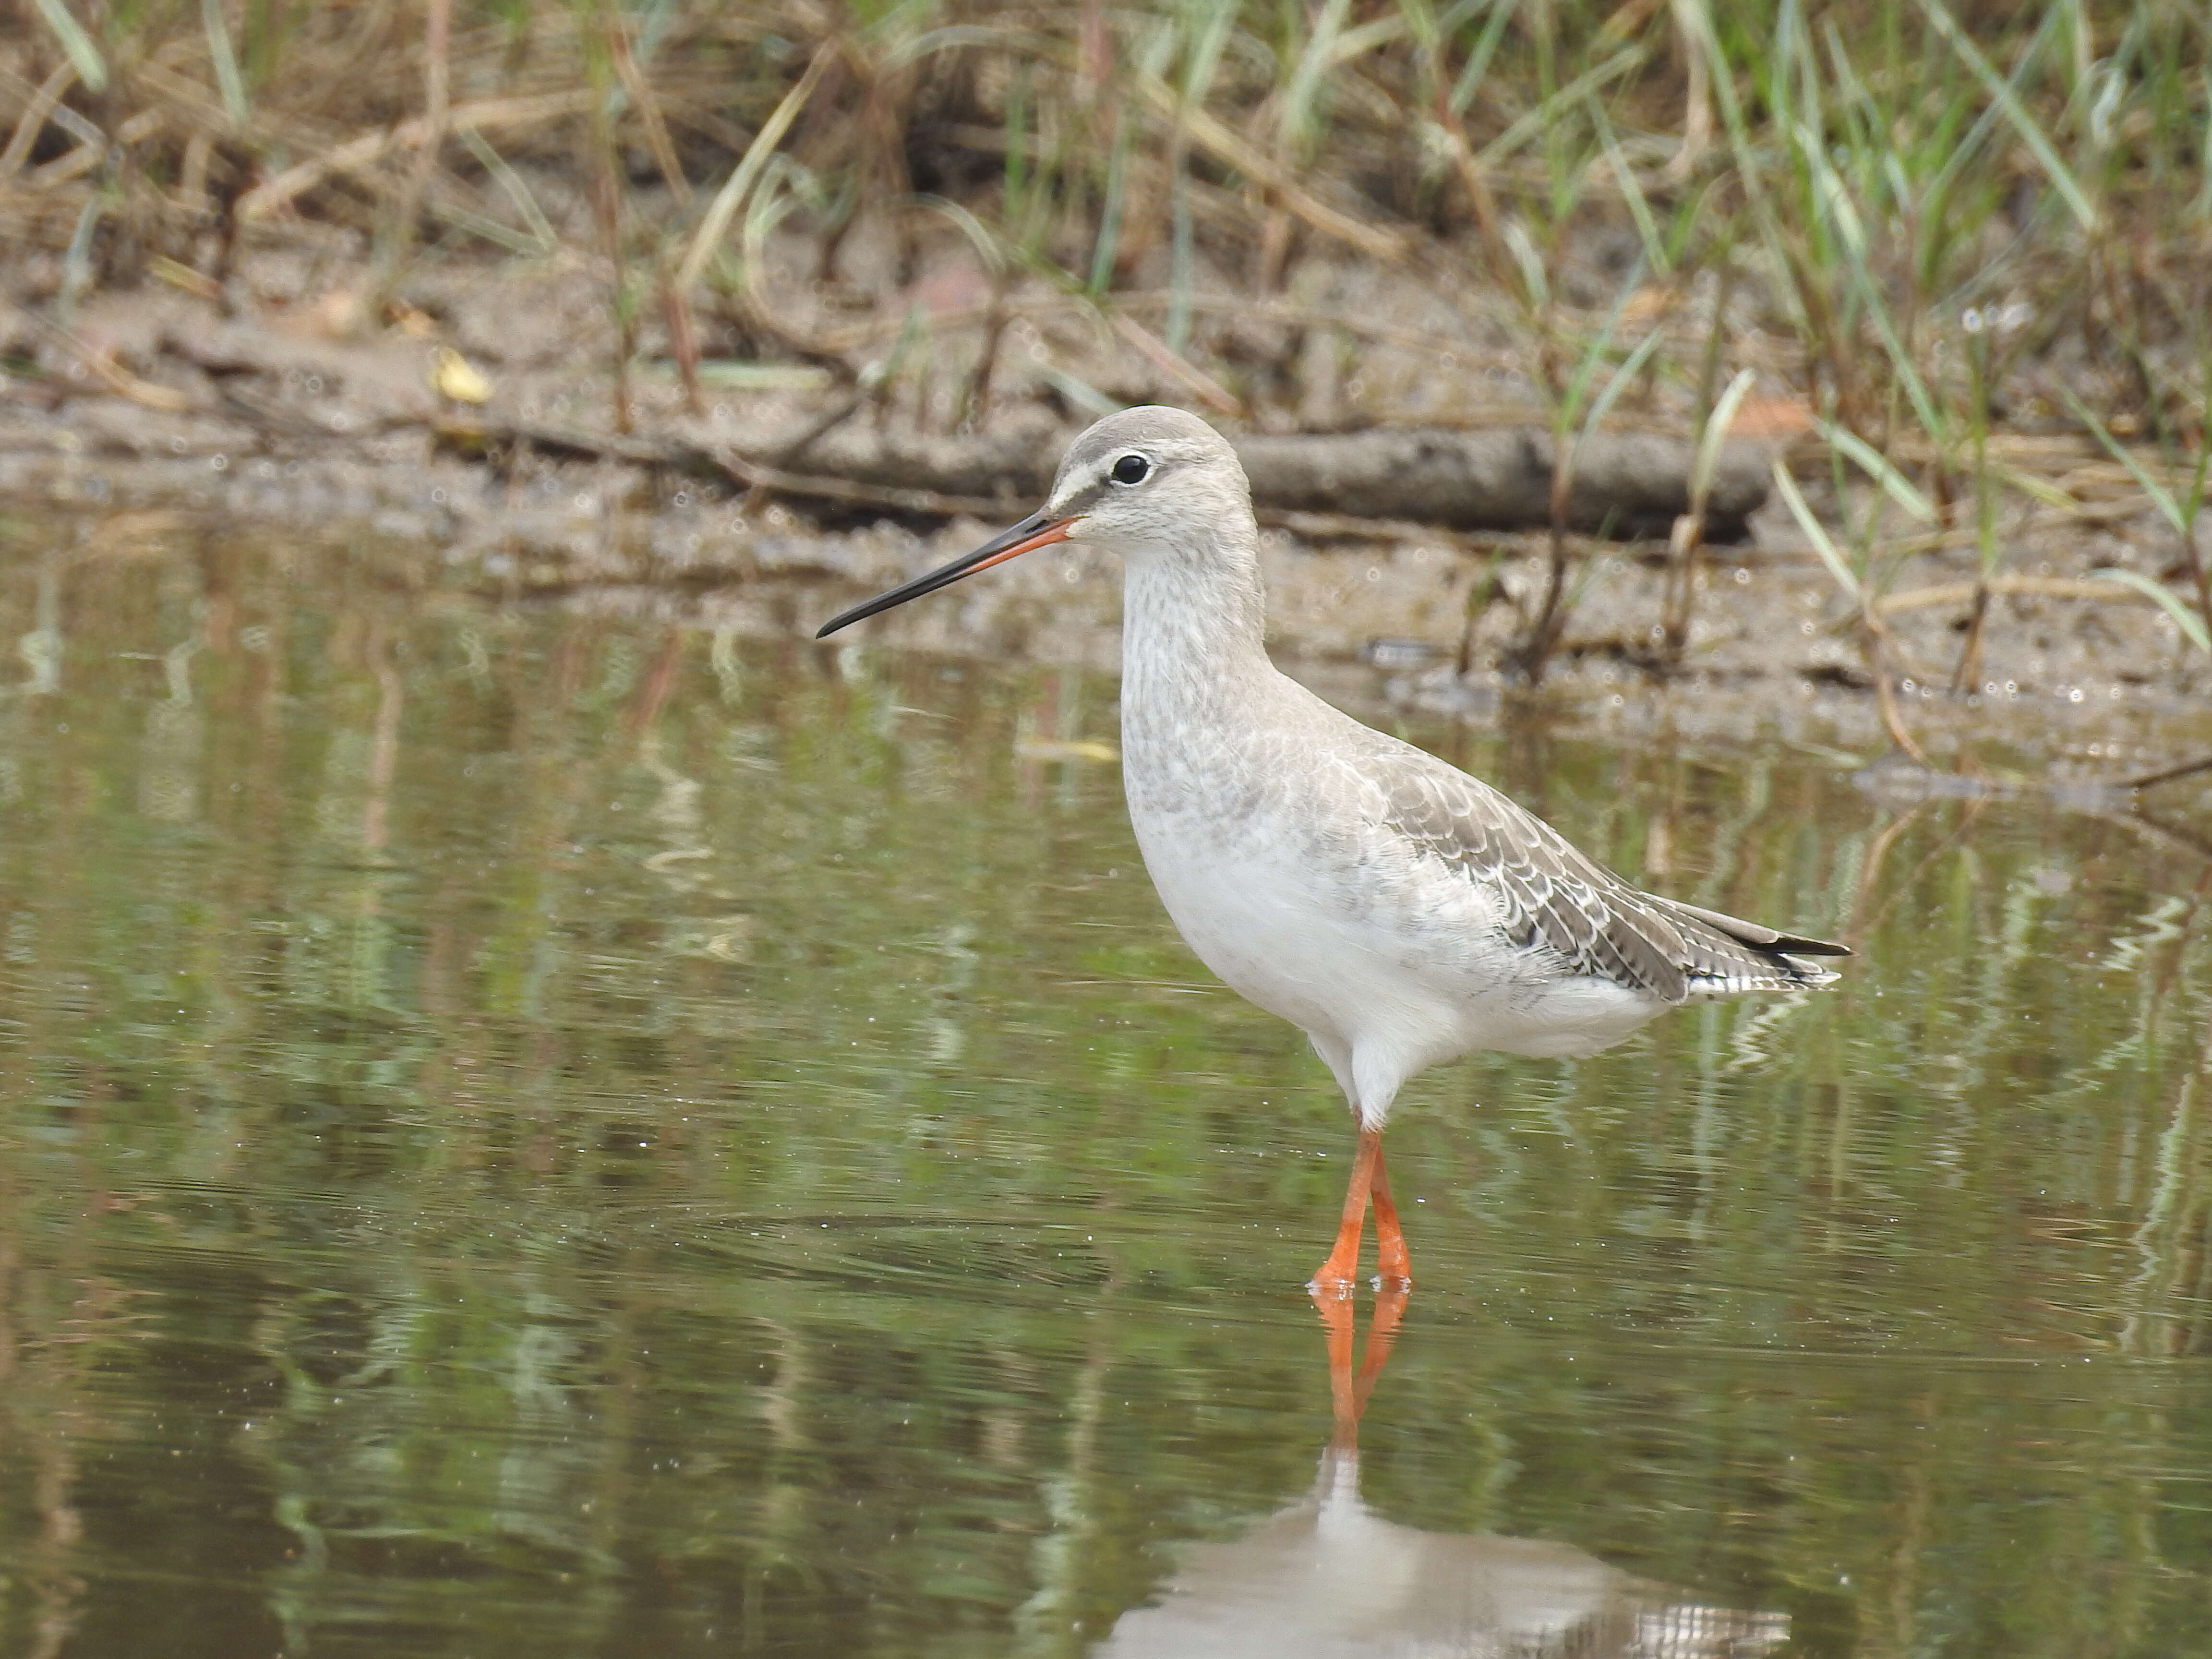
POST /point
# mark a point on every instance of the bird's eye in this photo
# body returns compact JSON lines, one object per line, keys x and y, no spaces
{"x":1131,"y":469}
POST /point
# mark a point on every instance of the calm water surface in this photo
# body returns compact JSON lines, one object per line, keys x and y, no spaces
{"x":524,"y":1133}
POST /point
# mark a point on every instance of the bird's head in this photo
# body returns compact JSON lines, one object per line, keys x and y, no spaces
{"x":1147,"y":482}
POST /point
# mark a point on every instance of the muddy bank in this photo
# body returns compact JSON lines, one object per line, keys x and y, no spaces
{"x":1379,"y":626}
{"x":191,"y":422}
{"x":293,"y":382}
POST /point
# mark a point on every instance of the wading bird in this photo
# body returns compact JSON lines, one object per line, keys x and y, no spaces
{"x":1397,"y":910}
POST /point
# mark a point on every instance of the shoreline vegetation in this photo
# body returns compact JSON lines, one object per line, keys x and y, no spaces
{"x":1904,"y":307}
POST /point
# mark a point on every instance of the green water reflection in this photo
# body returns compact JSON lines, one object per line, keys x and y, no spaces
{"x":524,"y":1133}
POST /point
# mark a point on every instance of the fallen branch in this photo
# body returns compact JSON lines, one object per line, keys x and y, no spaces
{"x":1379,"y":483}
{"x":1627,"y":485}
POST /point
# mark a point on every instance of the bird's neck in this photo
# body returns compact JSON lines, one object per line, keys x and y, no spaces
{"x":1194,"y":630}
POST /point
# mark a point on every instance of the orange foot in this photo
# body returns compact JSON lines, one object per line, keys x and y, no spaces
{"x":1393,"y":1263}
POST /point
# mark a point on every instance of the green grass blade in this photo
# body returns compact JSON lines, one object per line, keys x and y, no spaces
{"x":1817,"y":533}
{"x":1969,"y":148}
{"x":2160,"y":497}
{"x":83,"y":55}
{"x":1363,"y":37}
{"x":1623,"y":377}
{"x":1853,"y":236}
{"x":1485,"y":47}
{"x":1545,"y":115}
{"x":989,"y":248}
{"x":1751,"y":173}
{"x":1593,"y":357}
{"x":1108,"y":242}
{"x":512,"y":184}
{"x":489,"y":230}
{"x":731,"y":195}
{"x":1876,"y":465}
{"x":2203,"y":202}
{"x":775,"y":200}
{"x":1203,"y":63}
{"x":1013,"y":193}
{"x":1639,"y":209}
{"x":1301,"y":96}
{"x":1530,"y":263}
{"x":77,"y":262}
{"x":2190,"y":624}
{"x":1710,"y":440}
{"x":2041,"y":489}
{"x":2008,"y":100}
{"x":228,"y":80}
{"x":1084,"y":395}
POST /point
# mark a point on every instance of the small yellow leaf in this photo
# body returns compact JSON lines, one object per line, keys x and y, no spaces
{"x":453,"y":376}
{"x":1055,"y":749}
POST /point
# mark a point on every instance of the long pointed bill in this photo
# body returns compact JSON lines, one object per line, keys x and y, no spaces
{"x":1035,"y":531}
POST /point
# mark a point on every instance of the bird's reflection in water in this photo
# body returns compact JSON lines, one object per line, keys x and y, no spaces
{"x":1326,"y":1576}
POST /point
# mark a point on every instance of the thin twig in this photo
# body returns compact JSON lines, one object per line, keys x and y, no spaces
{"x":1885,"y":691}
{"x":34,"y":120}
{"x":1232,"y":151}
{"x":929,"y":502}
{"x":2048,"y":587}
{"x":437,"y":114}
{"x":1193,"y":379}
{"x":104,"y":367}
{"x":647,"y":105}
{"x":2186,"y":769}
{"x":791,"y":453}
{"x":366,"y":149}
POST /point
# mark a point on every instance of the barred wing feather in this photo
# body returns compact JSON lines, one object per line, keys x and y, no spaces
{"x":1557,"y":899}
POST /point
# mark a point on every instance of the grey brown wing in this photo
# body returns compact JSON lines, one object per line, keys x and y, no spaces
{"x":1557,"y":899}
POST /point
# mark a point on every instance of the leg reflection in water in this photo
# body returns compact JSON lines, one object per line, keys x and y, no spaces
{"x":1347,"y":1394}
{"x":1327,"y":1577}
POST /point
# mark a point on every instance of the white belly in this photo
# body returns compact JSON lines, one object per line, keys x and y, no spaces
{"x":1403,"y":972}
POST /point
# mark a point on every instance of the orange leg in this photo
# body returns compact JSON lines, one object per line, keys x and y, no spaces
{"x":1335,"y":1275}
{"x":1393,"y":1263}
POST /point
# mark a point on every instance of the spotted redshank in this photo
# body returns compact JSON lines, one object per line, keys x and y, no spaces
{"x":1397,"y":910}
